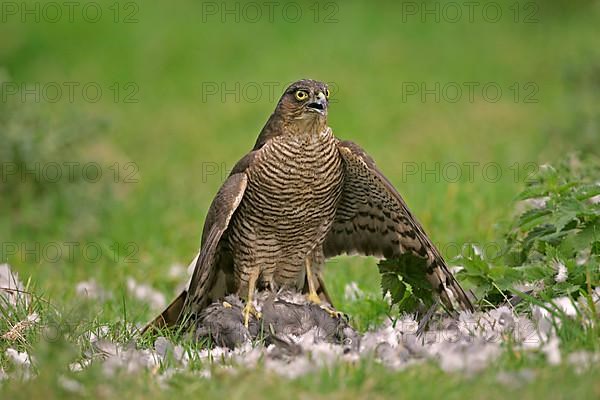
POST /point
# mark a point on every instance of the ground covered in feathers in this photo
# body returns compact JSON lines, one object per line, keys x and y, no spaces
{"x":292,"y":338}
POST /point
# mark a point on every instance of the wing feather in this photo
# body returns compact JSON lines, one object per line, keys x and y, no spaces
{"x":221,"y":210}
{"x":373,"y":219}
{"x":196,"y":296}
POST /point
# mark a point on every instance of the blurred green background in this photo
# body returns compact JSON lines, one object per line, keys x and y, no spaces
{"x":187,"y":86}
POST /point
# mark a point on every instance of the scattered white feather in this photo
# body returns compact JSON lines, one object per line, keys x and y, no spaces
{"x":468,"y":345}
{"x":181,"y":274}
{"x":455,"y":269}
{"x":583,"y":360}
{"x":21,"y":359}
{"x":80,"y":366}
{"x":537,"y":202}
{"x":542,"y":319}
{"x":128,"y":360}
{"x":386,"y":334}
{"x":583,"y":256}
{"x":147,"y":294}
{"x":90,"y":289}
{"x":552,"y":351}
{"x":387,"y":297}
{"x":561,"y":271}
{"x":11,"y":288}
{"x":18,"y":358}
{"x":534,"y":203}
{"x":99,"y":333}
{"x":177,"y":271}
{"x":71,"y":385}
{"x":566,"y":305}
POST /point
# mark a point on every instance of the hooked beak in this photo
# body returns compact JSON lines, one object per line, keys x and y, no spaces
{"x":319,"y":105}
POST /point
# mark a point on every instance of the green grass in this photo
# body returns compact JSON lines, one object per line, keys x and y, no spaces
{"x":172,"y":136}
{"x":365,"y":380}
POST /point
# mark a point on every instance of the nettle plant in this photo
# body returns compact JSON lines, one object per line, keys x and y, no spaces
{"x":551,"y":249}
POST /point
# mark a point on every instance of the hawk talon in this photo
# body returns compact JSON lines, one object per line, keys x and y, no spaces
{"x":312,"y":295}
{"x":249,"y":309}
{"x":333,"y":313}
{"x":314,"y":298}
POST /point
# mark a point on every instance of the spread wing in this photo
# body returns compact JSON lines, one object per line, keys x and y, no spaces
{"x":373,"y":219}
{"x":221,"y":210}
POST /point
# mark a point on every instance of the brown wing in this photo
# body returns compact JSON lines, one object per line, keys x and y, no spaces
{"x":373,"y":219}
{"x":221,"y":210}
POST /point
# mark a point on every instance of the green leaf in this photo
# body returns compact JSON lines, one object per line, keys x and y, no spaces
{"x":532,"y":193}
{"x":567,"y":212}
{"x":535,"y":217}
{"x":391,"y":282}
{"x":404,"y":277}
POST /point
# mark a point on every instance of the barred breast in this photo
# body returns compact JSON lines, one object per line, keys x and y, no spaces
{"x":288,"y":207}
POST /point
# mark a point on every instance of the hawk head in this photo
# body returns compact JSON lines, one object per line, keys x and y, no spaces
{"x":304,"y":105}
{"x":301,"y":109}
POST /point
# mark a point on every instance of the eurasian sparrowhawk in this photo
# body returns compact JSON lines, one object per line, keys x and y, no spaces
{"x":299,"y":197}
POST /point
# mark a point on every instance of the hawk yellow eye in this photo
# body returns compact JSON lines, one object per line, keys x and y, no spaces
{"x":327,"y":93}
{"x":301,"y":95}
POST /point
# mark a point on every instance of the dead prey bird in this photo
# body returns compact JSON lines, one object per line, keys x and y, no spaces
{"x":283,"y":317}
{"x":298,"y":197}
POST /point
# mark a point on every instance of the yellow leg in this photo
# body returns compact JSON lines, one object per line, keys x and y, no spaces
{"x":249,"y":308}
{"x":312,"y":293}
{"x":313,"y":297}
